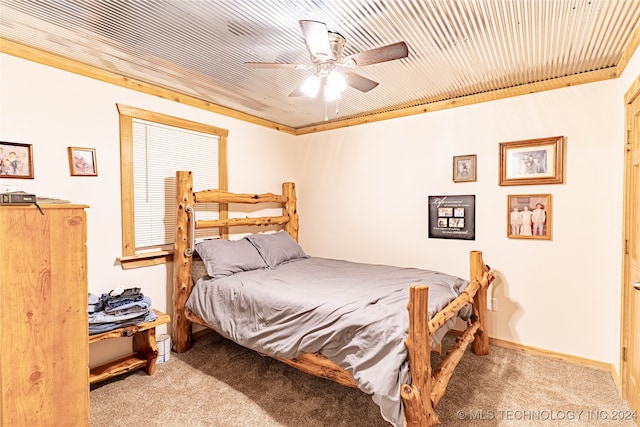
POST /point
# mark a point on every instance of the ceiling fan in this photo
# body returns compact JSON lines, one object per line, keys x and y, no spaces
{"x":332,"y":72}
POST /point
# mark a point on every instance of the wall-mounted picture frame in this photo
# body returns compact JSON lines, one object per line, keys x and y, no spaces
{"x":452,"y":217}
{"x":83,"y":161}
{"x":532,"y":161}
{"x":16,"y":160}
{"x":529,"y":216}
{"x":464,"y":168}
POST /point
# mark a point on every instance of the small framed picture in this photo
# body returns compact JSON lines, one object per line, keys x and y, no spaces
{"x":464,"y":168}
{"x":82,"y":161}
{"x":529,"y":216}
{"x":16,"y":160}
{"x":533,"y":161}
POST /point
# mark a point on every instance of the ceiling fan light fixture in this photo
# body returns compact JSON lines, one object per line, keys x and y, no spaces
{"x":310,"y":86}
{"x":335,"y":85}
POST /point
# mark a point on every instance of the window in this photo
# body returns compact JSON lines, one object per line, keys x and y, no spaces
{"x":152,"y":148}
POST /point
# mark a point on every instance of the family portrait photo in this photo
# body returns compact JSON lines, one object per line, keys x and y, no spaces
{"x":533,"y":161}
{"x":529,"y":216}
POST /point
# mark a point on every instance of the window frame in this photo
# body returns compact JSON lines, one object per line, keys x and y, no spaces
{"x":130,"y":257}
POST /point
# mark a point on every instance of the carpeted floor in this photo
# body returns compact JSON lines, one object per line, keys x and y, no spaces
{"x":218,"y":383}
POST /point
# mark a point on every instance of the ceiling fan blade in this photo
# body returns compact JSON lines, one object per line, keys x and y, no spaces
{"x":297,"y":92}
{"x":276,"y":65}
{"x":359,"y":82}
{"x":316,"y":37}
{"x":380,"y":54}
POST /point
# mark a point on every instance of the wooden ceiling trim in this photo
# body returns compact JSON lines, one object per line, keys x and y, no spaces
{"x":563,"y":82}
{"x":45,"y":58}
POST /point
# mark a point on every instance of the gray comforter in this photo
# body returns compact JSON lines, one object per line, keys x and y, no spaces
{"x":355,"y":314}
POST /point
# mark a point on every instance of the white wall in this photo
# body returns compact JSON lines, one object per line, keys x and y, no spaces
{"x":363,"y":196}
{"x":363,"y":190}
{"x":53,"y":109}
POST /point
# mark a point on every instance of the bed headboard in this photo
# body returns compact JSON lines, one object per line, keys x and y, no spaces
{"x":186,"y":224}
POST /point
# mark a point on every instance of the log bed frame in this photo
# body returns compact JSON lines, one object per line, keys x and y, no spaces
{"x":426,"y":389}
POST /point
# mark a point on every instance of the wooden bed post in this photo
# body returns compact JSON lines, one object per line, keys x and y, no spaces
{"x":480,"y":345}
{"x":182,"y":282}
{"x":289,"y":209}
{"x":418,"y":408}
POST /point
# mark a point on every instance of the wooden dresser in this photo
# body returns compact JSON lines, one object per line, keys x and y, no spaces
{"x":44,"y":347}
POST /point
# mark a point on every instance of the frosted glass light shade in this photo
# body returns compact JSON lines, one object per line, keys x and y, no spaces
{"x":311,"y":85}
{"x":336,"y":84}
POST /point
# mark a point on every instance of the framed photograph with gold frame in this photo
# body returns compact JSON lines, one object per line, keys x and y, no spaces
{"x":529,"y":216}
{"x":82,"y":161}
{"x":532,"y":161}
{"x":464,"y":168}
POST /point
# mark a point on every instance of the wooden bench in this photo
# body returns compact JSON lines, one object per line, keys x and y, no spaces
{"x":144,"y":347}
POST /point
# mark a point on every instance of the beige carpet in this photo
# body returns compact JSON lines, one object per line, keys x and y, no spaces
{"x":218,"y":383}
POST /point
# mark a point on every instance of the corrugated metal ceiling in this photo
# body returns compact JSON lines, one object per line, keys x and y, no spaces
{"x":457,"y":48}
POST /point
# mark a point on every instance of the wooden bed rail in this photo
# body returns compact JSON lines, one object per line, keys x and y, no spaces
{"x":221,"y":196}
{"x":232,"y":222}
{"x":453,"y":307}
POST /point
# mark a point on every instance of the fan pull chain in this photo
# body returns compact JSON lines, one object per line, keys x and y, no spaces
{"x":326,"y":115}
{"x":326,"y":107}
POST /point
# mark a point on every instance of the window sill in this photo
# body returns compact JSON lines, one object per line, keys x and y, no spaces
{"x":146,"y":259}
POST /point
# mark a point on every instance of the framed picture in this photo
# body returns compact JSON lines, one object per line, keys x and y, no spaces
{"x":16,"y":160}
{"x":464,"y":168}
{"x":452,"y":217}
{"x":533,"y":161}
{"x":82,"y":161}
{"x":529,"y":216}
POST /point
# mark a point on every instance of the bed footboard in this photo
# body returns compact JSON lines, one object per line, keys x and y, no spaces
{"x":426,"y":389}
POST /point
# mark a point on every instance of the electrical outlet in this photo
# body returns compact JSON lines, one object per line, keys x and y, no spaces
{"x":493,"y":305}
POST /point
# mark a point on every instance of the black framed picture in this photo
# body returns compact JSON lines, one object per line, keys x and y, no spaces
{"x":452,"y":217}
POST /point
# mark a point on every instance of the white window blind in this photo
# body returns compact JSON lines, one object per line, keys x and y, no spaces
{"x":158,"y":152}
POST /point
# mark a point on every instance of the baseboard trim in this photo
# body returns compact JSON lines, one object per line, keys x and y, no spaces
{"x":555,"y":355}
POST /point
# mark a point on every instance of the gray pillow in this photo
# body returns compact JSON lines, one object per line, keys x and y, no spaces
{"x":277,"y":248}
{"x":226,"y":257}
